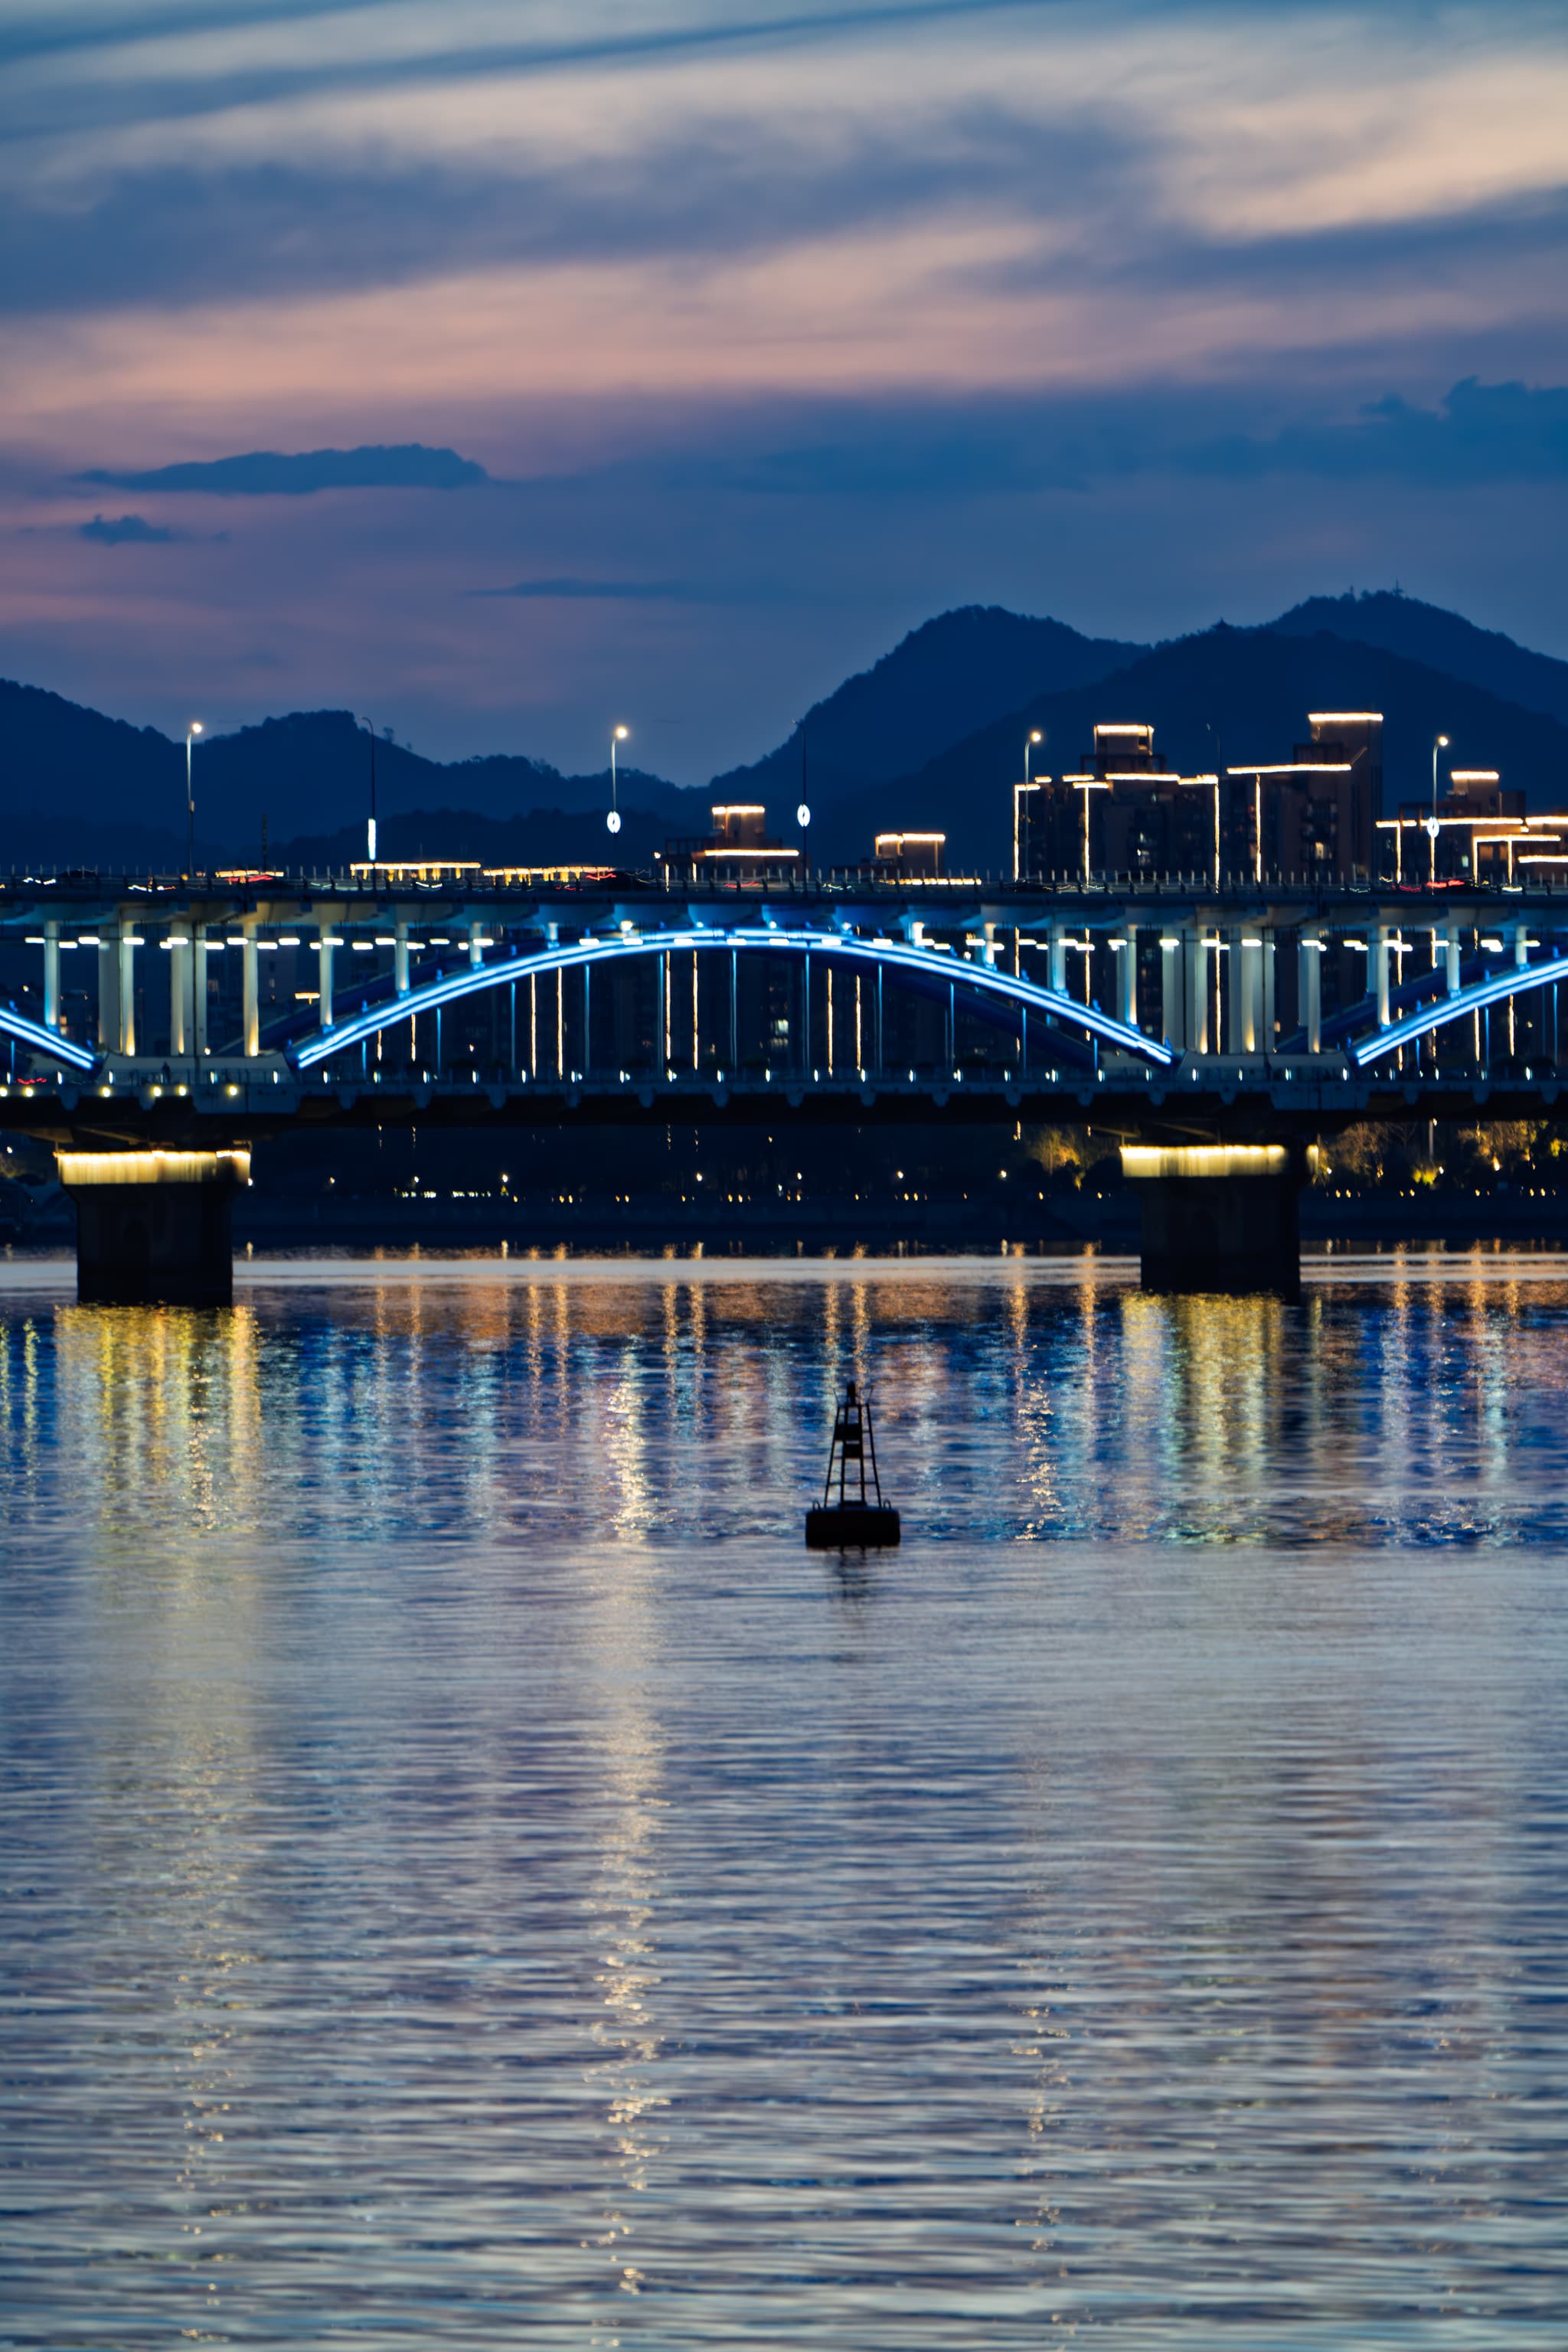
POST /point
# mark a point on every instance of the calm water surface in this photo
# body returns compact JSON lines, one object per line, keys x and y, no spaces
{"x":471,"y":1877}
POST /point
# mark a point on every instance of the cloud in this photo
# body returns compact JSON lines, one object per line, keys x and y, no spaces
{"x":265,"y":473}
{"x":941,"y":453}
{"x":378,"y":49}
{"x":707,"y":188}
{"x":1479,"y":433}
{"x":635,"y":592}
{"x":127,"y":530}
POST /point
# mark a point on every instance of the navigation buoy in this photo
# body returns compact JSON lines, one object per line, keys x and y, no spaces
{"x":852,"y":1517}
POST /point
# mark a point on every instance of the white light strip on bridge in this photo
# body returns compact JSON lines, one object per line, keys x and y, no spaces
{"x":1512,"y":981}
{"x":472,"y":978}
{"x":82,"y":1168}
{"x":44,"y":1041}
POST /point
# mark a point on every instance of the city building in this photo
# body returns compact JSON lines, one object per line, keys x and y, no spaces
{"x":1476,"y":831}
{"x":1123,"y":810}
{"x":1315,"y":816}
{"x":910,"y":856}
{"x":738,"y":851}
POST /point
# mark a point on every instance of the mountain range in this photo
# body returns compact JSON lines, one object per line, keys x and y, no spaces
{"x":931,"y":735}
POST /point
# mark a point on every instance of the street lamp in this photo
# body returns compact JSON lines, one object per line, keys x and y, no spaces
{"x":1439,"y":743}
{"x":192,"y":731}
{"x":369,"y":829}
{"x":1034,"y":737}
{"x":618,"y":735}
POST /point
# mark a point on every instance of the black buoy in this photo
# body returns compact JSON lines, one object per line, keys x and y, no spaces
{"x":851,"y":1519}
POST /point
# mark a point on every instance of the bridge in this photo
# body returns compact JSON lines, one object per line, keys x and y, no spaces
{"x":156,"y":1028}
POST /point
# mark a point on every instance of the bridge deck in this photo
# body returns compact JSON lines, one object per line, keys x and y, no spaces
{"x":1153,"y":1008}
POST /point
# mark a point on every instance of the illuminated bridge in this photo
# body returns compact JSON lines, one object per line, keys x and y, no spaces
{"x":153,"y":1030}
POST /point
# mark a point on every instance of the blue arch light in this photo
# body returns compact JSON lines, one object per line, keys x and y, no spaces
{"x":771,"y":940}
{"x":1511,"y":980}
{"x":47,"y":1042}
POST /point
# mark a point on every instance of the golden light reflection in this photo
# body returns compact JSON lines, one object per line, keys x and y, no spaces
{"x":1011,"y":1395}
{"x":627,"y":2026}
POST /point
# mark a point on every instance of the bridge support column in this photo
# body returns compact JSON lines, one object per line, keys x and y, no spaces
{"x":198,"y":990}
{"x":400,"y":958}
{"x":1128,"y":976}
{"x":108,"y":991}
{"x":155,"y":1227}
{"x":52,"y":975}
{"x":1237,"y":975}
{"x":325,"y":943}
{"x":1218,"y":1216}
{"x":1451,"y":948}
{"x":179,"y":991}
{"x":1173,"y":995}
{"x":1246,"y":981}
{"x":1377,"y":971}
{"x":1265,"y":991}
{"x":250,"y":976}
{"x":1195,"y":957}
{"x":127,"y":987}
{"x":1310,"y":977}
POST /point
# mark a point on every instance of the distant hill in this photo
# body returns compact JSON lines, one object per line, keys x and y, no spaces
{"x":1249,"y":690}
{"x":60,"y":762}
{"x":1438,"y":640}
{"x":74,"y":783}
{"x":942,"y":681}
{"x":931,"y":735}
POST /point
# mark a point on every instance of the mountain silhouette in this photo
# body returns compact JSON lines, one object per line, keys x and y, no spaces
{"x":1245,"y":692}
{"x":942,"y":681}
{"x":1440,"y":641}
{"x":76,"y":786}
{"x":933,"y":735}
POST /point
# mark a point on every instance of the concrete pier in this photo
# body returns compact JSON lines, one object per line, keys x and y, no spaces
{"x":1219,"y":1216}
{"x":155,"y":1227}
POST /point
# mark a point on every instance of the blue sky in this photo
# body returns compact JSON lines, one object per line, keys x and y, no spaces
{"x":746,"y":337}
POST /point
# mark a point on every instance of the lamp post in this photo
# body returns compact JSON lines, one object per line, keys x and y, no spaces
{"x":1439,"y":743}
{"x":370,"y":828}
{"x":612,"y":822}
{"x":1033,"y":738}
{"x":192,"y":731}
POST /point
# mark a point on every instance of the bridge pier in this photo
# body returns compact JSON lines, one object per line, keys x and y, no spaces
{"x":155,"y":1227}
{"x":1218,"y":1216}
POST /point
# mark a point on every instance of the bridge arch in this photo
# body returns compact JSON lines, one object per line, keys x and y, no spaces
{"x":47,"y":1043}
{"x":1495,"y":988}
{"x":890,"y":955}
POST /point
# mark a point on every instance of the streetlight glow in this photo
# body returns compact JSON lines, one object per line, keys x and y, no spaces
{"x":1439,"y":743}
{"x":618,"y":735}
{"x":1035,"y":736}
{"x":369,"y":829}
{"x":192,"y":731}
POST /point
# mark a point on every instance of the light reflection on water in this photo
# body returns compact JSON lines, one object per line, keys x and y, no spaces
{"x":470,"y":1874}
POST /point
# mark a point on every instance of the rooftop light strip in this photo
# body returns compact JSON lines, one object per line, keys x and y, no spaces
{"x":470,"y":979}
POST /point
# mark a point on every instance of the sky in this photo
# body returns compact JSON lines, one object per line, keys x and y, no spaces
{"x":660,"y":361}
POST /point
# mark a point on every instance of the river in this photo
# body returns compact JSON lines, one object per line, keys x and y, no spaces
{"x":471,"y":1877}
